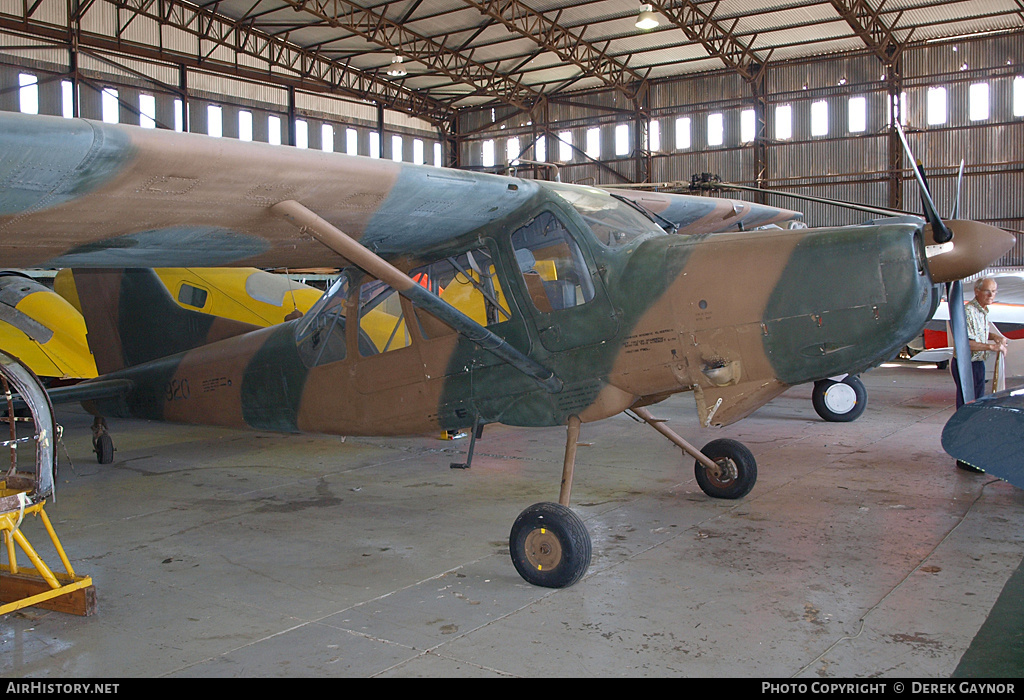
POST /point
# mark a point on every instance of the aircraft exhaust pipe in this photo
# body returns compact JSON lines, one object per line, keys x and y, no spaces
{"x":368,"y":261}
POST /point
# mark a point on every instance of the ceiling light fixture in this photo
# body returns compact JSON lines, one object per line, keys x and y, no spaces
{"x":646,"y":19}
{"x":397,"y":70}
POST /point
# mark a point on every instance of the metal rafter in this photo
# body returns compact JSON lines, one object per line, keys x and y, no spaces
{"x":459,"y":67}
{"x":285,"y":63}
{"x":522,"y":20}
{"x":720,"y":42}
{"x":866,"y":22}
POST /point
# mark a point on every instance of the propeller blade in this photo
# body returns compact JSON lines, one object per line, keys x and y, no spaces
{"x":940,"y":233}
{"x":959,"y":182}
{"x":958,"y":324}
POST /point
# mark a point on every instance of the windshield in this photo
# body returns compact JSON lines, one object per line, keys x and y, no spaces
{"x":614,"y":223}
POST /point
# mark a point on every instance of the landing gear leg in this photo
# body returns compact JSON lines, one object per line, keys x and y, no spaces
{"x":102,"y":443}
{"x":724,"y":468}
{"x":549,"y":543}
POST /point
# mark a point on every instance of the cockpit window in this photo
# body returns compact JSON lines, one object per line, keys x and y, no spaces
{"x":320,"y":336}
{"x":614,"y":223}
{"x":553,"y":269}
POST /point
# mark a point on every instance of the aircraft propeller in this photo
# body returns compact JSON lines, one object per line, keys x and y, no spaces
{"x":942,"y":235}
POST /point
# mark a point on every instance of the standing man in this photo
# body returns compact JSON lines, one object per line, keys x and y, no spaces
{"x":982,"y":335}
{"x":983,"y":338}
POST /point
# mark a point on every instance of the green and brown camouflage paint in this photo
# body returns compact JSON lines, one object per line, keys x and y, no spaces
{"x":736,"y":317}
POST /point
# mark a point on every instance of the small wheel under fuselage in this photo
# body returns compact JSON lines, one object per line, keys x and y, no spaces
{"x":550,"y":545}
{"x":737,"y":469}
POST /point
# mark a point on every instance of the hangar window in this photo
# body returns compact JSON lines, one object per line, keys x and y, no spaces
{"x":622,"y":139}
{"x":857,"y":113}
{"x":110,"y":109}
{"x":682,"y":133}
{"x":417,"y":152}
{"x":784,"y":122}
{"x":747,"y":126}
{"x":551,"y":264}
{"x":396,"y":148}
{"x":936,"y":102}
{"x":274,"y":129}
{"x":437,"y":155}
{"x":565,"y":146}
{"x":512,"y":151}
{"x":67,"y":98}
{"x":594,"y":143}
{"x":978,"y":101}
{"x":374,"y":144}
{"x":244,"y":125}
{"x":179,"y":115}
{"x":716,"y":129}
{"x":327,"y":138}
{"x":819,"y":118}
{"x":540,"y":150}
{"x":1018,"y":96}
{"x":351,"y":142}
{"x":147,"y":111}
{"x":28,"y":93}
{"x":214,"y":121}
{"x":901,"y":108}
{"x":654,"y":136}
{"x":301,"y":133}
{"x":487,"y":154}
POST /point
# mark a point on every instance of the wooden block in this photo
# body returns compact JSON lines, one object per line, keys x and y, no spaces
{"x":14,"y":587}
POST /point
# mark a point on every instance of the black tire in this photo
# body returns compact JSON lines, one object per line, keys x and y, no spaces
{"x":738,"y":469}
{"x":103,"y":446}
{"x":840,"y":402}
{"x":550,"y":546}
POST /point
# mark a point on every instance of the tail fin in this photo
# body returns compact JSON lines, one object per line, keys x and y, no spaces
{"x":132,"y":318}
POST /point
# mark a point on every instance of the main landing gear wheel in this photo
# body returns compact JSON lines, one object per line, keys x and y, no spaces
{"x":103,"y":446}
{"x":737,"y":469}
{"x":550,"y":545}
{"x":102,"y":443}
{"x":840,"y":402}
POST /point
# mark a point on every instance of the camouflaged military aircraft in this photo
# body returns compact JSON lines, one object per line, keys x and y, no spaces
{"x":505,"y":300}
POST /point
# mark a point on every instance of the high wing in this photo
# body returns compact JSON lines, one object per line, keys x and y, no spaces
{"x":77,"y":193}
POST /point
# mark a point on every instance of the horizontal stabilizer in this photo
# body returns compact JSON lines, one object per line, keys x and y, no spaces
{"x":989,"y":434}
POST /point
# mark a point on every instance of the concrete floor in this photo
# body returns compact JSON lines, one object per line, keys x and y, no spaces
{"x":861,"y":551}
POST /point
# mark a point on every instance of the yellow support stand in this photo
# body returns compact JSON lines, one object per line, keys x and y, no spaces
{"x":37,"y":585}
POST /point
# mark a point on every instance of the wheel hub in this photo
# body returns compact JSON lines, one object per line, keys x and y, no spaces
{"x":726,"y":472}
{"x":543,"y":549}
{"x":840,"y":398}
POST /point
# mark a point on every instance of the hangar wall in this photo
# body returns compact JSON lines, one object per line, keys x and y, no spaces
{"x":837,"y":160}
{"x":844,"y":162}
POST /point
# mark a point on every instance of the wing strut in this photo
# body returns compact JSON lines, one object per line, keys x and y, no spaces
{"x":371,"y":263}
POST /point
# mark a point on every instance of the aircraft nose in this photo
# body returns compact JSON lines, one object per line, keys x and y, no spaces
{"x":974,"y":247}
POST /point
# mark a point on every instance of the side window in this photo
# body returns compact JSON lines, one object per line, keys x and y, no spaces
{"x":382,"y":325}
{"x":469,"y":283}
{"x":551,"y":264}
{"x":192,"y":296}
{"x":320,"y":335}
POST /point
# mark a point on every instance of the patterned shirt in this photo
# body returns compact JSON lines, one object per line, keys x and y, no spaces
{"x":977,"y":327}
